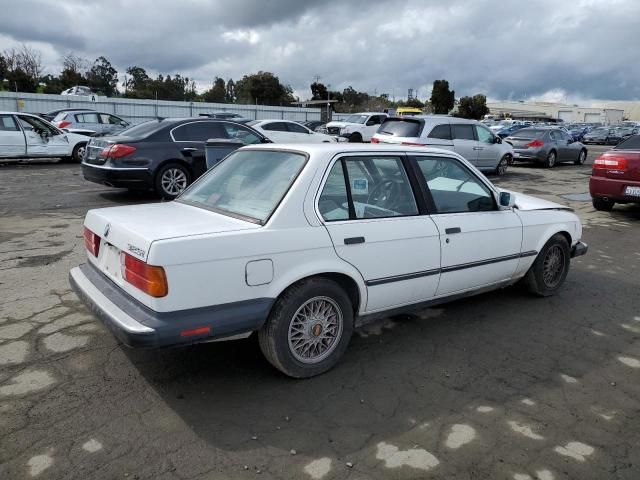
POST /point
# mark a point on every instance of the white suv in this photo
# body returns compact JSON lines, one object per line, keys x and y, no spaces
{"x":358,"y":127}
{"x":469,"y":138}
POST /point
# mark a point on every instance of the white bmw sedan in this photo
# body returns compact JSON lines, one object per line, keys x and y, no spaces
{"x":301,"y":243}
{"x":286,"y":131}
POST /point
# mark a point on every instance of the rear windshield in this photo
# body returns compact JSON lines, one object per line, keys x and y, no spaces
{"x":401,"y":127}
{"x":631,"y":143}
{"x":59,"y":117}
{"x":142,"y":129}
{"x":528,"y":133}
{"x":247,"y":184}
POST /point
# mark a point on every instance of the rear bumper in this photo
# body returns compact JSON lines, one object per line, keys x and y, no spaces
{"x":138,"y":178}
{"x":137,"y":326}
{"x":528,"y":154}
{"x":579,"y":249}
{"x":613,"y":189}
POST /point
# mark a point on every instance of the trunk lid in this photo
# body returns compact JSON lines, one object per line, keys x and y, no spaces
{"x":630,"y":172}
{"x":97,"y":144}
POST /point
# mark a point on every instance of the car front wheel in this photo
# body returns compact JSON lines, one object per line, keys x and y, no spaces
{"x":548,"y":272}
{"x":355,"y":138}
{"x":581,"y":158}
{"x":505,"y":161}
{"x":171,"y":180}
{"x":309,"y":328}
{"x":78,"y":152}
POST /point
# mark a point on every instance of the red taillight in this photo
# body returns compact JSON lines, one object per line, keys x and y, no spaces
{"x":535,"y":144}
{"x":374,"y":140}
{"x":63,"y":124}
{"x":117,"y":151}
{"x":148,"y":278}
{"x":610,"y":162}
{"x":91,"y":241}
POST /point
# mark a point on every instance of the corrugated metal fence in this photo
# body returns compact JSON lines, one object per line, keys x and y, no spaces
{"x":137,"y":111}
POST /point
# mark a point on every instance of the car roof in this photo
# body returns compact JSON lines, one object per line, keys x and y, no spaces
{"x":437,"y":118}
{"x":345,"y":147}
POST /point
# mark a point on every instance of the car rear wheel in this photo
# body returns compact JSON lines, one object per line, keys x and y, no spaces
{"x":505,"y":161}
{"x":551,"y":159}
{"x":309,"y":328}
{"x":602,"y":204}
{"x":78,"y":152}
{"x":171,"y":180}
{"x":548,"y":272}
{"x":355,"y":138}
{"x":581,"y":158}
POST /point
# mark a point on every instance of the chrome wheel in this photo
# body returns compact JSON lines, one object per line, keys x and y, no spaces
{"x":80,"y":152}
{"x":553,"y":266}
{"x":583,"y":157}
{"x":551,"y":159}
{"x":502,"y":166}
{"x":173,"y":181}
{"x":315,"y":330}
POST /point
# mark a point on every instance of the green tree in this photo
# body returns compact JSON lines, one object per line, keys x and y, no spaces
{"x":217,"y":93}
{"x":318,"y":91}
{"x":230,"y":91}
{"x":102,"y":77}
{"x":442,"y":99}
{"x":137,"y":84}
{"x":263,"y":88}
{"x":3,"y":67}
{"x":473,"y":107}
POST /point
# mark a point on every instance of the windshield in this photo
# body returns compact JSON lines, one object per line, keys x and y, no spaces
{"x":247,"y":184}
{"x":356,"y":119}
{"x":141,"y":129}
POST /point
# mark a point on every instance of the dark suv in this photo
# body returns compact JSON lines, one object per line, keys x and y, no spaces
{"x":163,"y":155}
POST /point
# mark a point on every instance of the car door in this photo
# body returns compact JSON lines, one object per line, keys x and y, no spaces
{"x":480,"y":243}
{"x":191,"y":138}
{"x":370,"y":211}
{"x":111,"y":124}
{"x":566,"y":149}
{"x":464,"y":141}
{"x":12,"y":139}
{"x":489,"y":151}
{"x":277,"y":132}
{"x":43,"y":139}
{"x":89,"y":121}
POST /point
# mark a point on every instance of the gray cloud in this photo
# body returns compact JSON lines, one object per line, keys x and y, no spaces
{"x":502,"y":49}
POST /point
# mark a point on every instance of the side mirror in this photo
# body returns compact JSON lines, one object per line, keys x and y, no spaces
{"x":507,"y":200}
{"x":497,"y":139}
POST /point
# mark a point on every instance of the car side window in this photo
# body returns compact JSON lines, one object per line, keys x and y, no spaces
{"x":295,"y":128}
{"x":8,"y":124}
{"x":554,"y":136}
{"x":276,"y":127}
{"x":239,"y":132}
{"x":484,"y":135}
{"x":463,"y":132}
{"x":454,"y":189}
{"x":378,"y":188}
{"x":334,"y":201}
{"x":198,"y":132}
{"x":37,"y":125}
{"x":87,"y":118}
{"x":110,"y":119}
{"x":442,"y":132}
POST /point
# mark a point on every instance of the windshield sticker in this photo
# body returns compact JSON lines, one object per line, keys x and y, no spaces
{"x":360,"y":186}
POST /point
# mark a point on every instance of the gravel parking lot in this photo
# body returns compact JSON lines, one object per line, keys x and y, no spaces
{"x":501,"y":385}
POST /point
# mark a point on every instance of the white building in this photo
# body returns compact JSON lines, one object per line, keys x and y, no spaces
{"x":547,"y":111}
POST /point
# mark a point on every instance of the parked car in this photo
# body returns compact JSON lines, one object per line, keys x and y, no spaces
{"x":90,"y":123}
{"x":49,"y":116}
{"x":578,"y":133}
{"x":23,"y":135}
{"x":303,"y":244}
{"x":615,"y":177}
{"x":234,"y":117}
{"x":469,"y":138}
{"x":315,"y":125}
{"x":78,"y":91}
{"x":547,"y":146}
{"x":505,"y":132}
{"x":626,"y":132}
{"x":601,"y":136}
{"x":285,"y":131}
{"x":358,"y":127}
{"x":163,"y":155}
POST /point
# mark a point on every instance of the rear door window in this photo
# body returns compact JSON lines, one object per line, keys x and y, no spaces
{"x":199,"y":132}
{"x":443,"y":132}
{"x":295,"y":128}
{"x":87,"y":118}
{"x":463,"y":132}
{"x":275,"y":127}
{"x":240,"y":132}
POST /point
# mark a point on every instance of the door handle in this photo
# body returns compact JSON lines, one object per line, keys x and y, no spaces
{"x":452,"y":230}
{"x":353,"y":240}
{"x":478,"y":148}
{"x":189,"y":149}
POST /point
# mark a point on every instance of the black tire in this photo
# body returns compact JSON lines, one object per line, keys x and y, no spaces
{"x":275,"y":334}
{"x":78,"y":152}
{"x":355,"y":138}
{"x":606,"y":141}
{"x":511,"y":160}
{"x":545,"y":277}
{"x":582,"y":157}
{"x":602,"y":205}
{"x":163,"y":185}
{"x":551,"y":160}
{"x":504,"y":163}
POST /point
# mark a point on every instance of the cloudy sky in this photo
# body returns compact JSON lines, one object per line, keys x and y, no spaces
{"x":506,"y":49}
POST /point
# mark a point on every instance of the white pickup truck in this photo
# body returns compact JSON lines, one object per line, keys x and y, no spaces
{"x":28,"y":136}
{"x":358,"y":127}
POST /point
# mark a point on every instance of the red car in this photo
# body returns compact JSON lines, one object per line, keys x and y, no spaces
{"x":616,"y":175}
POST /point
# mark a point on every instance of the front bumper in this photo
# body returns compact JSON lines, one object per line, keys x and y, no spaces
{"x":579,"y":249}
{"x":134,"y":177}
{"x":138,"y":326}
